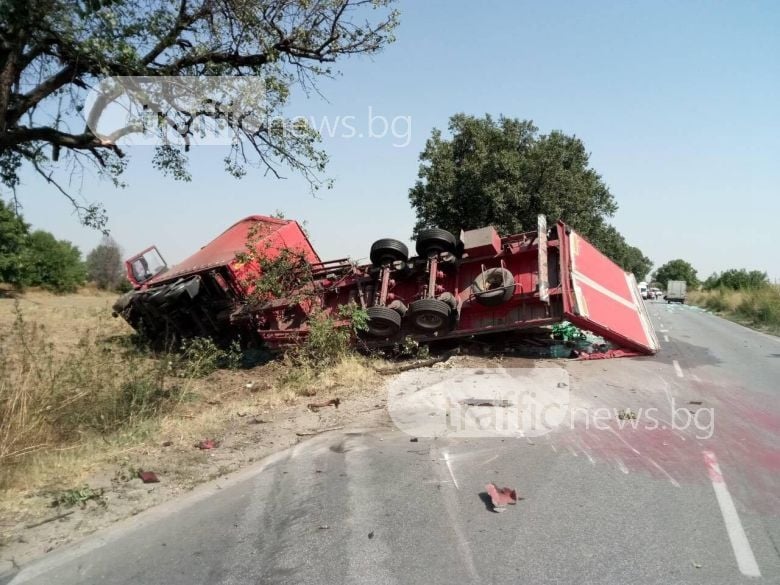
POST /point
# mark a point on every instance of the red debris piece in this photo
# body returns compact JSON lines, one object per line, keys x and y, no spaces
{"x":148,"y":477}
{"x":501,"y":496}
{"x":206,"y":444}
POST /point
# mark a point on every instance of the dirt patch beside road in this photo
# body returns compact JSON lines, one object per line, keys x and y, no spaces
{"x":83,"y":414}
{"x":245,"y":433}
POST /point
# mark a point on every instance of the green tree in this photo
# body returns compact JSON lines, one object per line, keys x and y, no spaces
{"x":737,"y":279}
{"x":104,"y":264}
{"x":53,"y":52}
{"x":51,"y":263}
{"x":13,"y":234}
{"x":676,"y":270}
{"x":502,"y":172}
{"x":607,"y":239}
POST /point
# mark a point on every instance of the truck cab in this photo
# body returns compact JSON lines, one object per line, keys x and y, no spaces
{"x":144,"y":266}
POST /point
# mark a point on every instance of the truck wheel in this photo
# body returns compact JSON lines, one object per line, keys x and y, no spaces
{"x":430,"y":315}
{"x":434,"y":241}
{"x":383,"y":322}
{"x":387,"y":251}
{"x":493,"y":287}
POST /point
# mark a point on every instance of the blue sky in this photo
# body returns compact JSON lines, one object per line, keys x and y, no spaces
{"x":676,"y":101}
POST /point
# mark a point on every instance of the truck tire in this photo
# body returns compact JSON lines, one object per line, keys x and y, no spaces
{"x":493,"y":287}
{"x":434,"y":241}
{"x":383,"y":322}
{"x":387,"y":251}
{"x":430,"y":315}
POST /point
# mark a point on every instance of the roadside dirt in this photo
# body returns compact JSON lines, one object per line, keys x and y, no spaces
{"x":243,"y":435}
{"x":179,"y":465}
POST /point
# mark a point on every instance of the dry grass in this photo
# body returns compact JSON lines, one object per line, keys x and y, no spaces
{"x":758,"y":307}
{"x":76,"y":394}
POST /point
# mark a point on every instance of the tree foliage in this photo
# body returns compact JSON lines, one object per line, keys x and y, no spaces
{"x":13,"y":234}
{"x":37,"y":258}
{"x":51,"y":263}
{"x":53,"y":52}
{"x":502,"y":172}
{"x":737,"y":279}
{"x":676,"y":270}
{"x":104,"y":264}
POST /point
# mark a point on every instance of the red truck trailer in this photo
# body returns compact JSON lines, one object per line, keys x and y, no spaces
{"x":452,"y":287}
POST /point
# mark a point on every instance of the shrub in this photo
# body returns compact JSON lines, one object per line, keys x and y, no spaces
{"x":52,"y":397}
{"x":200,"y":357}
{"x":52,"y":264}
{"x":326,"y":341}
{"x":761,"y":307}
{"x":737,"y":279}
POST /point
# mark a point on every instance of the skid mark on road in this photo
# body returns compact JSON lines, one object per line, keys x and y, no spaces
{"x":626,"y":443}
{"x":662,"y":470}
{"x":449,"y":468}
{"x":746,"y":560}
{"x":453,"y":508}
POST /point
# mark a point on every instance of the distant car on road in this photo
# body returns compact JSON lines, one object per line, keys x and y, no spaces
{"x":676,"y":291}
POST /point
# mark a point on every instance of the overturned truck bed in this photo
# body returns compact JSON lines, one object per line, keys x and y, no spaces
{"x":453,"y":287}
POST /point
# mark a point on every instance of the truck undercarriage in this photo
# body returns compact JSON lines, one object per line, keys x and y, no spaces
{"x":473,"y":285}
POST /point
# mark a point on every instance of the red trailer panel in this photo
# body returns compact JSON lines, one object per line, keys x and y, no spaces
{"x":602,"y":298}
{"x":274,"y":233}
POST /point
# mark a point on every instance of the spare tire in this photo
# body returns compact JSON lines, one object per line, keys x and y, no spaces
{"x":387,"y":251}
{"x":493,"y":287}
{"x":430,"y":315}
{"x":435,"y":241}
{"x":383,"y":322}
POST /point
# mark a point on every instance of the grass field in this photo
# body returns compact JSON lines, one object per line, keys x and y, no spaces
{"x":77,"y":395}
{"x":759,"y":308}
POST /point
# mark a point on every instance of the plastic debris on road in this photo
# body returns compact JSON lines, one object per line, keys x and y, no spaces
{"x":500,"y":497}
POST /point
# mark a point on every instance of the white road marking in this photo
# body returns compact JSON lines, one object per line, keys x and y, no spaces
{"x":449,"y":468}
{"x":746,"y":561}
{"x":678,"y":369}
{"x":664,"y":330}
{"x":621,"y":465}
{"x":695,"y":377}
{"x":666,"y":338}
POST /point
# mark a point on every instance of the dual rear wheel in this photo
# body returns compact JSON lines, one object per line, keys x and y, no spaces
{"x":426,"y":315}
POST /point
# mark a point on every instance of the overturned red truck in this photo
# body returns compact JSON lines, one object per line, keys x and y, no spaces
{"x":454,"y":287}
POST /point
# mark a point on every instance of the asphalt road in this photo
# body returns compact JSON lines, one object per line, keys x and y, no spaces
{"x":664,"y":502}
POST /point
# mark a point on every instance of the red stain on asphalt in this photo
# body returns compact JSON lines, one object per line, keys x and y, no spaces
{"x":745,"y":438}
